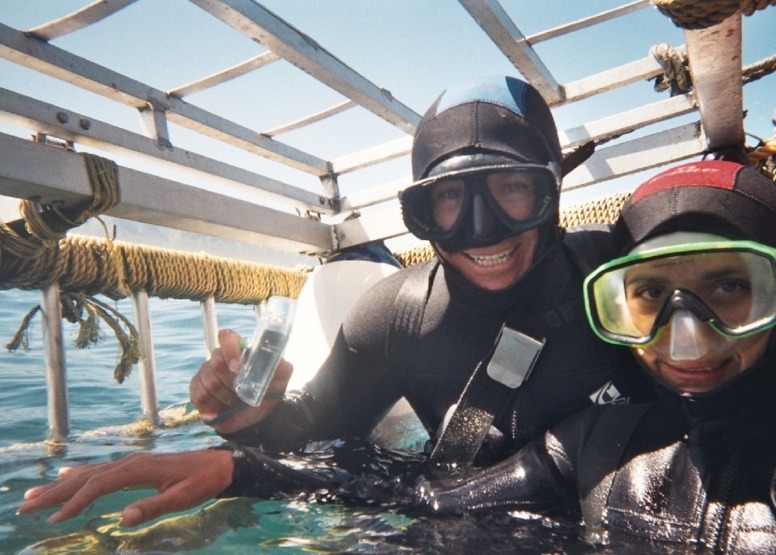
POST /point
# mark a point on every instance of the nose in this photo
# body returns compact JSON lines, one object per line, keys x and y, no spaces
{"x":482,"y":218}
{"x":691,"y":338}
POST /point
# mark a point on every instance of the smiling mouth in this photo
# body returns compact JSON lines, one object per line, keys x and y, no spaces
{"x":492,"y":259}
{"x":696,"y":368}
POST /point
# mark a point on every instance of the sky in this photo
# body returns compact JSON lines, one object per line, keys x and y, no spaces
{"x":413,"y":48}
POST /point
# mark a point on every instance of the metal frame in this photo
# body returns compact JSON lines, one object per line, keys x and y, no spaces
{"x":53,"y":174}
{"x":716,"y":91}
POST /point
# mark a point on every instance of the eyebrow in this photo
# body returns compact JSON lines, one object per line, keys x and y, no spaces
{"x":706,"y":276}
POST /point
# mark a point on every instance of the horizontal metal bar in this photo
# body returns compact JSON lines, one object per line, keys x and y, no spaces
{"x":507,"y":37}
{"x":588,"y":21}
{"x":639,"y":70}
{"x":715,"y":64}
{"x":53,"y":174}
{"x":374,"y":195}
{"x":259,"y":24}
{"x":625,"y":122}
{"x":637,"y":155}
{"x":323,"y":114}
{"x":39,"y":116}
{"x":384,"y":224}
{"x":226,"y":75}
{"x":16,"y":47}
{"x":94,"y":12}
{"x":371,"y":156}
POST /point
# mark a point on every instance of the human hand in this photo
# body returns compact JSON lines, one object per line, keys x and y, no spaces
{"x":183,"y":480}
{"x":212,"y":388}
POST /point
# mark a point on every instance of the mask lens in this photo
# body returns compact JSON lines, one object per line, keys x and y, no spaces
{"x":734,"y":289}
{"x":444,"y":207}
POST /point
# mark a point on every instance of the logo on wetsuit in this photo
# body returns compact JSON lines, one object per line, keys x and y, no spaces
{"x":608,"y":394}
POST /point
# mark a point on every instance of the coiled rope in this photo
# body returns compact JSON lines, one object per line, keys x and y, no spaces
{"x":702,"y":14}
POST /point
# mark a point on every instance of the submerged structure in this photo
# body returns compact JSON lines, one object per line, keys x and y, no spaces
{"x":195,"y":162}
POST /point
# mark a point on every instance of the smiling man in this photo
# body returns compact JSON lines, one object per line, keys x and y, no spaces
{"x":485,"y":162}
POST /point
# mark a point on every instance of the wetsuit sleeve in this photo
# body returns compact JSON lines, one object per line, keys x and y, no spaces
{"x":541,"y":477}
{"x":350,"y":394}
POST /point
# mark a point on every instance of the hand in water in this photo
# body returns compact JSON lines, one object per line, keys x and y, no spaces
{"x":183,"y":480}
{"x":212,"y":388}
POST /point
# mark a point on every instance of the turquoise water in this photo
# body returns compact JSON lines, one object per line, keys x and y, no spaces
{"x":101,"y":414}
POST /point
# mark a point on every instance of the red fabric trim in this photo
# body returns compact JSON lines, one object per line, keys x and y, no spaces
{"x":709,"y":173}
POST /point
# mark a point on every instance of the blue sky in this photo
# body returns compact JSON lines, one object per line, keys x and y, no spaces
{"x":413,"y":48}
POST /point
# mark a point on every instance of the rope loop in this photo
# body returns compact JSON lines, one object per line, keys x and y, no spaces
{"x":702,"y":14}
{"x":676,"y":72}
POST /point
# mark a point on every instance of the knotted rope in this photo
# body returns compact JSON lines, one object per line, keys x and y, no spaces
{"x":676,"y":70}
{"x":702,"y":14}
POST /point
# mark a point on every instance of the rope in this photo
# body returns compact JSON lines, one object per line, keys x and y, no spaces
{"x":702,"y":14}
{"x":763,"y":158}
{"x":676,"y":73}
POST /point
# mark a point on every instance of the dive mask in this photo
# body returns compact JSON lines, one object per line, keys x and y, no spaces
{"x":730,"y":285}
{"x":480,"y":206}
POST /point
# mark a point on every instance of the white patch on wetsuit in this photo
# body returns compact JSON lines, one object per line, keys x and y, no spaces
{"x":608,"y":394}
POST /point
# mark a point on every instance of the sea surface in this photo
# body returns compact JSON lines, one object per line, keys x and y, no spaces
{"x":102,"y":419}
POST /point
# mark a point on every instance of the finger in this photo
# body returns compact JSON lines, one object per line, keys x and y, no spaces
{"x":229,"y":341}
{"x":210,"y":475}
{"x":43,"y":497}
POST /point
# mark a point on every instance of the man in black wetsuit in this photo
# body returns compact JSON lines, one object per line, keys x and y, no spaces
{"x":694,"y":294}
{"x":486,"y":160}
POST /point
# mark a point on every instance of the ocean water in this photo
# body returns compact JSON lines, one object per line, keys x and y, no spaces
{"x":101,"y":417}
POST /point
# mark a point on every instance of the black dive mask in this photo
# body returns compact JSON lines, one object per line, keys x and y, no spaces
{"x":480,"y":206}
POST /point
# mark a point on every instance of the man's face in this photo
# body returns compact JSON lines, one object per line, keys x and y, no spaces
{"x":497,"y":266}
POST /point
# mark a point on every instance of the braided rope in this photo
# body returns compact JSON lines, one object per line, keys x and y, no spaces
{"x":702,"y":14}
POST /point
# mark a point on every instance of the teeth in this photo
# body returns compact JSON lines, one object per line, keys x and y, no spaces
{"x":491,"y":259}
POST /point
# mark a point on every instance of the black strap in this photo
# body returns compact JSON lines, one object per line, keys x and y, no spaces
{"x":407,"y":318}
{"x":481,"y":400}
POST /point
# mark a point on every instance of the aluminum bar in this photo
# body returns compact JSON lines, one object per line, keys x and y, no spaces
{"x":640,"y":70}
{"x":259,"y":24}
{"x":504,"y":33}
{"x":147,"y":364}
{"x":334,"y":110}
{"x":588,"y":21}
{"x":94,"y":12}
{"x":223,"y":76}
{"x":16,"y":47}
{"x":625,"y":122}
{"x":56,"y":372}
{"x":715,"y":65}
{"x":383,"y":224}
{"x":209,"y":325}
{"x":375,"y":195}
{"x":637,"y":155}
{"x":49,"y":119}
{"x":371,"y":156}
{"x":56,"y":175}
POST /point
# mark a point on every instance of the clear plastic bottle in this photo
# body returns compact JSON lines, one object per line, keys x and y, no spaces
{"x":262,"y":352}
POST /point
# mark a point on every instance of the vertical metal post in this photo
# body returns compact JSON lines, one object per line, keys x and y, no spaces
{"x":210,"y":324}
{"x":147,"y":365}
{"x":56,"y":373}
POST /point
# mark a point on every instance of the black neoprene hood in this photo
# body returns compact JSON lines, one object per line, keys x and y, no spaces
{"x":496,"y":115}
{"x":717,"y":197}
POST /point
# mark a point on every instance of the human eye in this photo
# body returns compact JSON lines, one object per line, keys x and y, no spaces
{"x":447,"y":191}
{"x":649,"y":293}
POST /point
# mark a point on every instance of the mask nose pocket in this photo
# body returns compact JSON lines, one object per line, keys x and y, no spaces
{"x":684,"y":336}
